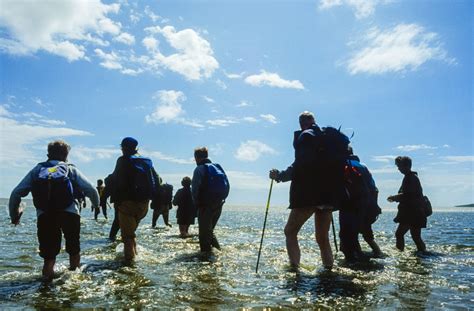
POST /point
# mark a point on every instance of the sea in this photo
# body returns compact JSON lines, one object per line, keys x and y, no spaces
{"x":170,"y":273}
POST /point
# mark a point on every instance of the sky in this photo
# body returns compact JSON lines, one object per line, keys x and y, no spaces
{"x":234,"y":76}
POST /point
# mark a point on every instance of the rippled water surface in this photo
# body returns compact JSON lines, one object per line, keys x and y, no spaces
{"x":170,"y":273}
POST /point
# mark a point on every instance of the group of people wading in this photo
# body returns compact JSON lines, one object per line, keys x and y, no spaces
{"x":325,"y":177}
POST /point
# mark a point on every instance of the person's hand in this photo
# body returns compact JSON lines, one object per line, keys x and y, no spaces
{"x":16,"y":221}
{"x":390,"y":199}
{"x":274,"y":173}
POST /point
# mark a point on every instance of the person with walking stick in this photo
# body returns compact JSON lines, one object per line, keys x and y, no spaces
{"x":316,"y":185}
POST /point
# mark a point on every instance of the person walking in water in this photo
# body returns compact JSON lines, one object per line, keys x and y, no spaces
{"x":210,"y":188}
{"x":161,"y":205}
{"x":135,"y":182}
{"x":410,"y":216}
{"x":315,"y":189}
{"x":103,"y":203}
{"x":53,"y":184}
{"x":186,"y":212}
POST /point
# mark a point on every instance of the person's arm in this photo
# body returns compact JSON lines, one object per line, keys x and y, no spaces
{"x":87,"y":187}
{"x":197,"y":180}
{"x":177,"y":197}
{"x":20,"y":191}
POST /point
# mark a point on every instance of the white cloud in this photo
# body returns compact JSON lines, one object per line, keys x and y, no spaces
{"x":221,"y":122}
{"x":19,"y":139}
{"x":221,"y":84}
{"x":87,"y":154}
{"x":154,"y":17}
{"x":250,"y":119}
{"x":161,"y":156}
{"x":270,"y":118}
{"x":234,"y":75}
{"x":150,"y":43}
{"x":109,"y":60}
{"x":273,"y":80}
{"x":362,"y":8}
{"x":252,"y":150}
{"x":459,"y":159}
{"x":409,"y":148}
{"x":169,"y":106}
{"x":384,"y":158}
{"x":194,"y":58}
{"x":125,"y":38}
{"x":208,"y":99}
{"x":58,"y":27}
{"x":243,"y":103}
{"x":405,"y":47}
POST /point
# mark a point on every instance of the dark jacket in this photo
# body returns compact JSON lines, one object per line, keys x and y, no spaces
{"x":312,"y":182}
{"x":123,"y":180}
{"x":186,"y":211}
{"x":410,"y":198}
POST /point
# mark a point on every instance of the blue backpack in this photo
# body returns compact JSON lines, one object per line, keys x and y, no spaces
{"x":52,"y":188}
{"x":217,"y":183}
{"x":144,"y":182}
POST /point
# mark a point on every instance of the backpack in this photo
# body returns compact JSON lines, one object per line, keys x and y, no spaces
{"x":331,"y":155}
{"x":166,"y":194}
{"x":217,"y":183}
{"x":355,"y":182}
{"x":52,"y":188}
{"x":427,"y":208}
{"x":143,"y":182}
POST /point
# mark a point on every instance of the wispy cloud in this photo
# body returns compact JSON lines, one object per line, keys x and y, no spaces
{"x":19,"y":139}
{"x":409,"y":148}
{"x":362,"y":8}
{"x":272,"y":80}
{"x":252,"y":150}
{"x":384,"y":158}
{"x":234,"y":75}
{"x":222,"y":122}
{"x":208,"y":99}
{"x":459,"y":159}
{"x":404,"y":47}
{"x":270,"y":118}
{"x":125,"y":38}
{"x":243,"y":103}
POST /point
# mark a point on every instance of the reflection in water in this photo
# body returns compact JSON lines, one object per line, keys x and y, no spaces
{"x":169,"y":271}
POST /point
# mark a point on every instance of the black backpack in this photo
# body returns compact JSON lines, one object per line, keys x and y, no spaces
{"x":427,"y":208}
{"x":144,"y":183}
{"x":52,"y":188}
{"x":166,"y":194}
{"x":331,"y":154}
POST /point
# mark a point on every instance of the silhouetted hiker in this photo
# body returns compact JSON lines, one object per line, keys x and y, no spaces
{"x":109,"y":194}
{"x":103,"y":203}
{"x":135,"y":183}
{"x":359,"y":212}
{"x":210,"y":188}
{"x":410,"y":214}
{"x":52,"y":185}
{"x":317,"y":184}
{"x":161,"y":205}
{"x":186,"y":212}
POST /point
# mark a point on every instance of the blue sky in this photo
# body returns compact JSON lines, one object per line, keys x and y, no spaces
{"x":234,"y":76}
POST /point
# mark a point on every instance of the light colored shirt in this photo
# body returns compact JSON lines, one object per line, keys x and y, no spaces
{"x":25,"y":186}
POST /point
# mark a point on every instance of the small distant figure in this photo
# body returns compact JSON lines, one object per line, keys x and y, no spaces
{"x":52,"y":185}
{"x":103,"y":203}
{"x":317,"y":184}
{"x":359,"y":212}
{"x":410,"y":214}
{"x":135,"y":183}
{"x":186,"y":212}
{"x":210,"y":188}
{"x":161,"y":205}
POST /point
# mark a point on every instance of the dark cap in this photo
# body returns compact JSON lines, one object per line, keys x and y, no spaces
{"x":129,"y":143}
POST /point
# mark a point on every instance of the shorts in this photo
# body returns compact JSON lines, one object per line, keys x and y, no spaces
{"x":51,"y":227}
{"x":130,"y":214}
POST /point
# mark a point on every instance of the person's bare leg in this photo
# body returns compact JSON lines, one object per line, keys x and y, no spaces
{"x":296,"y":219}
{"x":74,"y":261}
{"x":322,"y":222}
{"x":129,"y":249}
{"x":48,"y":268}
{"x":400,"y":236}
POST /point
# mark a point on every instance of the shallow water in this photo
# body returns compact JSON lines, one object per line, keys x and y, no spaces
{"x":170,"y":273}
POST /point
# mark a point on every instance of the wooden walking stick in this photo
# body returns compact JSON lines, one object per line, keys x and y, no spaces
{"x":264,"y":225}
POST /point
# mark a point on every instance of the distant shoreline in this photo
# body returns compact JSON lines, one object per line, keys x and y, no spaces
{"x":465,"y":205}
